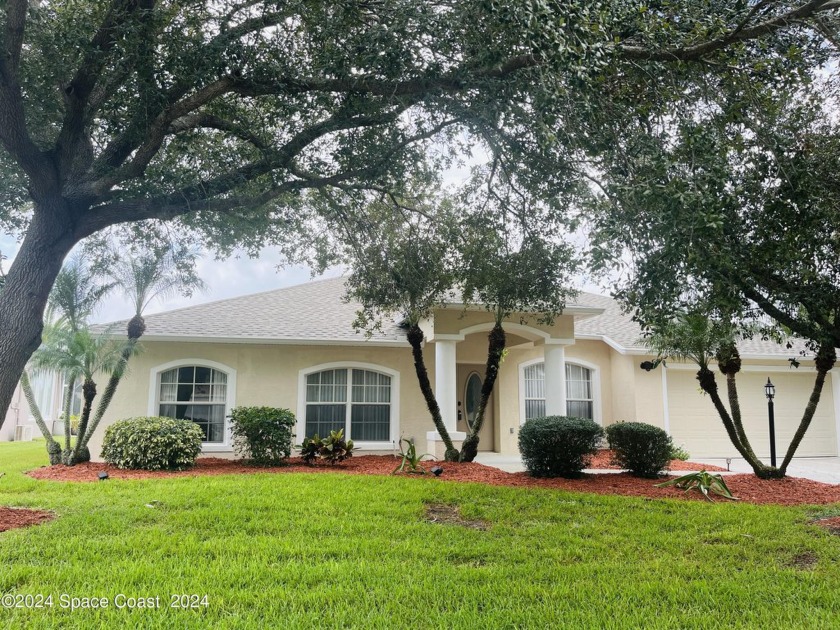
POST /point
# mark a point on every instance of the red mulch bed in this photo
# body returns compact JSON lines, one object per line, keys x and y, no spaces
{"x":789,"y":491}
{"x":12,"y":518}
{"x":603,"y":460}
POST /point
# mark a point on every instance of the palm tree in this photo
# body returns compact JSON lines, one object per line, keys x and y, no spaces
{"x":79,"y":355}
{"x":698,"y":338}
{"x":152,"y":275}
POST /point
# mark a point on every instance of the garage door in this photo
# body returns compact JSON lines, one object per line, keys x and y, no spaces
{"x":696,"y":425}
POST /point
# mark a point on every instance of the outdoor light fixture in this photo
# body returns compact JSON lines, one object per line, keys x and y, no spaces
{"x":647,"y":366}
{"x":436,"y":471}
{"x":770,"y":392}
{"x":103,"y":476}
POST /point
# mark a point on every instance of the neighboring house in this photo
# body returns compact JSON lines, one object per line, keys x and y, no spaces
{"x":48,"y":388}
{"x":296,"y":348}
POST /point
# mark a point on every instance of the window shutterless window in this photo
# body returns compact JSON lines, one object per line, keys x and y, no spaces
{"x":356,"y":400}
{"x":196,"y":393}
{"x":580,"y":401}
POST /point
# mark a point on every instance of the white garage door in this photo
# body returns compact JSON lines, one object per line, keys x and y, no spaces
{"x":696,"y":425}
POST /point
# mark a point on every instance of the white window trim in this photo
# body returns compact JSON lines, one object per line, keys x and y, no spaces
{"x":395,"y":400}
{"x":596,"y":385}
{"x":230,"y":399}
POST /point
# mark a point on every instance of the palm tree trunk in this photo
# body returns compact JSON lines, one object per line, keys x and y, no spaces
{"x":495,"y":349}
{"x":108,"y":394}
{"x":53,"y":447}
{"x":735,"y":407}
{"x":81,"y":452}
{"x":824,"y":362}
{"x":67,"y":455}
{"x":415,"y":338}
{"x":707,"y":383}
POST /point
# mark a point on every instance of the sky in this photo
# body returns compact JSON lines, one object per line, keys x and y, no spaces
{"x":239,"y":275}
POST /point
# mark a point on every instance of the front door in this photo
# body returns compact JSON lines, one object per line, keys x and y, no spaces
{"x":470,"y":380}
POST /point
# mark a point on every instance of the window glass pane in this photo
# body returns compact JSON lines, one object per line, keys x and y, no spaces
{"x":371,"y":387}
{"x":322,"y":419}
{"x":167,"y":411}
{"x":371,"y":422}
{"x":185,"y":393}
{"x":534,"y":409}
{"x":579,"y":408}
{"x":168,"y":392}
{"x":202,"y":374}
{"x":170,"y":376}
{"x":185,"y":374}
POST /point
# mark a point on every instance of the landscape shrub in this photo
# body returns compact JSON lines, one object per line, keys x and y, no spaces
{"x":152,"y":443}
{"x":558,"y":446}
{"x":262,"y":434}
{"x":645,"y":450}
{"x":680,"y":453}
{"x":332,"y":448}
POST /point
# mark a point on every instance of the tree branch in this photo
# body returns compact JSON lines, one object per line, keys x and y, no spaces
{"x":738,"y":34}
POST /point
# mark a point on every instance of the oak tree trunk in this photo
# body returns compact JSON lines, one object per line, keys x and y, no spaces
{"x":27,"y":288}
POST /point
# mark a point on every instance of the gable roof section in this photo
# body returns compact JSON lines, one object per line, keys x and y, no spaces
{"x":316,"y":313}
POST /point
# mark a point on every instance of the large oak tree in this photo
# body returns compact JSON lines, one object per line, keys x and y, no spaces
{"x":223,"y":116}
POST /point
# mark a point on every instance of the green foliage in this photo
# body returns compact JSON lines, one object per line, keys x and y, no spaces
{"x":152,"y":443}
{"x":703,"y":482}
{"x":642,"y":448}
{"x":558,"y":446}
{"x":680,"y":453}
{"x":262,"y":434}
{"x":411,"y":461}
{"x":331,"y":449}
{"x":693,"y":336}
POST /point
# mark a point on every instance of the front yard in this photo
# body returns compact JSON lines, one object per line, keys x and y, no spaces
{"x":304,"y":550}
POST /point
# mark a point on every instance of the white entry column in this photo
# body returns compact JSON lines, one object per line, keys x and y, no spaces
{"x":446,"y":392}
{"x":445,"y":382}
{"x":555,"y":380}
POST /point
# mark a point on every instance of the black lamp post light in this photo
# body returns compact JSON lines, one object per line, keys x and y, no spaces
{"x":770,"y":392}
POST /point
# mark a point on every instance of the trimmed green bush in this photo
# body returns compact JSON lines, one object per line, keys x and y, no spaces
{"x":645,"y":450}
{"x":558,"y":446}
{"x":152,"y":443}
{"x":262,"y":434}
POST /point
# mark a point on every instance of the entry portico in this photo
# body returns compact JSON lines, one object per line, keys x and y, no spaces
{"x":459,"y":338}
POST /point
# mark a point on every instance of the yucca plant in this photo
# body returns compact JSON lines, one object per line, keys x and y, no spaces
{"x":703,"y":482}
{"x":410,"y":459}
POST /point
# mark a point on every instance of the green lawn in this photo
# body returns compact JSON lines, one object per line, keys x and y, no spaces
{"x":333,"y":550}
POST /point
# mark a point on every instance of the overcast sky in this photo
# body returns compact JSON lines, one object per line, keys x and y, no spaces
{"x":235,"y":276}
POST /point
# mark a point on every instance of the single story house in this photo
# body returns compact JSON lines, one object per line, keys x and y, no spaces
{"x":296,"y":348}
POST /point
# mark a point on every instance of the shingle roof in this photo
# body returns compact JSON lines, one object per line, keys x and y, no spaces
{"x":316,"y":312}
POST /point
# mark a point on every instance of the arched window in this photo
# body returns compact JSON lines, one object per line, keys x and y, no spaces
{"x":198,"y":393}
{"x":354,"y":399}
{"x":580,"y":391}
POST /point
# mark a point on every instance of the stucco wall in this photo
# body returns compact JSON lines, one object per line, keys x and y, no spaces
{"x":267,"y":375}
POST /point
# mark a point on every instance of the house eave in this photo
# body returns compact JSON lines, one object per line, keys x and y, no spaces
{"x":381,"y":343}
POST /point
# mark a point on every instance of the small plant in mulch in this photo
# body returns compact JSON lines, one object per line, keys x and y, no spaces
{"x":447,"y":514}
{"x":411,"y":461}
{"x":703,"y":482}
{"x":331,"y":449}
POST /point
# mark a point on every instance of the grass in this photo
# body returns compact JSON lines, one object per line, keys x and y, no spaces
{"x":332,"y":550}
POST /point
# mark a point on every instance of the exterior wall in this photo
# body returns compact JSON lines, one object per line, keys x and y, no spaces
{"x":17,"y":414}
{"x":269,"y":375}
{"x":266,"y":375}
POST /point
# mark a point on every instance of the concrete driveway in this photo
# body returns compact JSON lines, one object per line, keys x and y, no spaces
{"x":825,"y":469}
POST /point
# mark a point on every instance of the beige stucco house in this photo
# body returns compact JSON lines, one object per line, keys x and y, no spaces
{"x":296,"y":348}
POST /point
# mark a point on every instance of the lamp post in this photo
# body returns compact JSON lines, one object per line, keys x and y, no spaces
{"x":770,"y":392}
